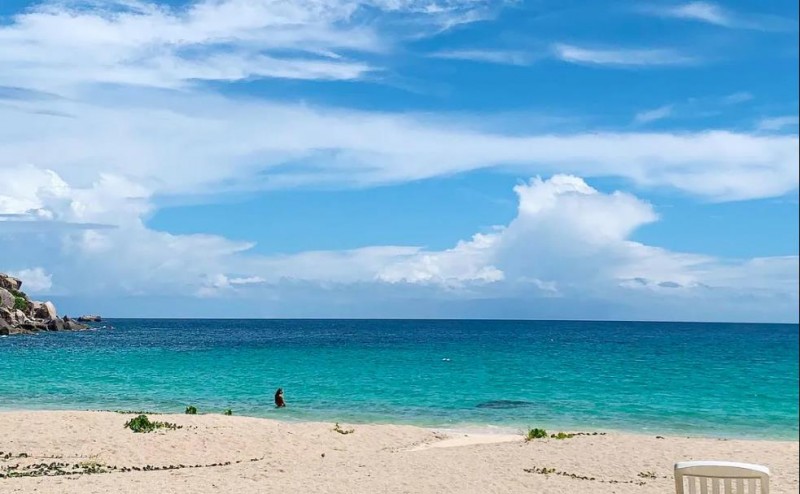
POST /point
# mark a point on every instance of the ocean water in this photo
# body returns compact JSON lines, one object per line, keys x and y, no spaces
{"x":724,"y":380}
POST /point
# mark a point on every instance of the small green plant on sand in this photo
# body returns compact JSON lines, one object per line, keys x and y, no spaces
{"x":142,"y":423}
{"x":535,"y":433}
{"x":227,"y":411}
{"x":191,"y":410}
{"x":562,"y":435}
{"x":339,"y":429}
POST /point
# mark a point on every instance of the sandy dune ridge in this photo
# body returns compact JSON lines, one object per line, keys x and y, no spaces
{"x":216,"y":453}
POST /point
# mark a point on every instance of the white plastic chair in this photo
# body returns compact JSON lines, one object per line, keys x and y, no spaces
{"x":730,"y":476}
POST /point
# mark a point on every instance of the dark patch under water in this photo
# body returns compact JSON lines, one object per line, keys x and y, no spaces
{"x":505,"y":404}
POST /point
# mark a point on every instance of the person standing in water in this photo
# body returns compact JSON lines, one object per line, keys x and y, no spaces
{"x":279,"y":403}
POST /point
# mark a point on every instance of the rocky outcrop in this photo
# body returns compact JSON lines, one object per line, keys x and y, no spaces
{"x":6,"y":299}
{"x":9,"y":283}
{"x":90,"y":318}
{"x":44,"y":310}
{"x":21,"y":315}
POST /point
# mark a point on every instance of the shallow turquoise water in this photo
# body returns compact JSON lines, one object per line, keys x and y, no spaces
{"x":735,"y":380}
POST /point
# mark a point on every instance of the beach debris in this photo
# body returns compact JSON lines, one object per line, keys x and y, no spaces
{"x":553,"y":471}
{"x":94,"y":467}
{"x":338,"y":428}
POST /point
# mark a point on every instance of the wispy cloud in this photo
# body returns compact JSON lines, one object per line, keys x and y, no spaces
{"x":506,"y":57}
{"x":694,"y":107}
{"x":736,"y":98}
{"x":217,"y":143}
{"x":624,"y":57}
{"x":778,"y":123}
{"x":717,"y":15}
{"x":701,"y":11}
{"x":653,"y":115}
{"x":59,"y":44}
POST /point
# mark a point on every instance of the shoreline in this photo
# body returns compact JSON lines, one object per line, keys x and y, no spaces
{"x":465,"y":428}
{"x":92,"y":452}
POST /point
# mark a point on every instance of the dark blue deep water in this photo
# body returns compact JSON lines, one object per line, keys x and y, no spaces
{"x":734,"y":380}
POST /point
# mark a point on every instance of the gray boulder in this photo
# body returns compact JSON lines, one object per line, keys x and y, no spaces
{"x":44,"y":310}
{"x":6,"y":299}
{"x":5,"y":328}
{"x":9,"y":282}
{"x":73,"y":325}
{"x":19,"y":316}
{"x":7,"y":315}
{"x":55,"y":325}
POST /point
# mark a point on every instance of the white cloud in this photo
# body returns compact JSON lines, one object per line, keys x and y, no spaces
{"x":772,"y":124}
{"x":694,"y":107}
{"x":736,"y":98}
{"x":468,"y":262}
{"x":506,"y":57}
{"x":715,"y":14}
{"x":653,"y":115}
{"x":197,"y":143}
{"x":249,"y":280}
{"x":34,"y":280}
{"x":623,"y":57}
{"x":82,"y":161}
{"x":569,"y":241}
{"x":58,"y":45}
{"x":168,"y":142}
{"x":701,"y":11}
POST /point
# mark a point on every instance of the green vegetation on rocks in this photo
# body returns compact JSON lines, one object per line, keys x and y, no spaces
{"x":20,"y":303}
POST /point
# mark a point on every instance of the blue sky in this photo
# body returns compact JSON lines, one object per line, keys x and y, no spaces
{"x":414,"y":158}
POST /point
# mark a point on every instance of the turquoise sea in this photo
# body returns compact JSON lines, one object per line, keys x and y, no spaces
{"x":728,"y":380}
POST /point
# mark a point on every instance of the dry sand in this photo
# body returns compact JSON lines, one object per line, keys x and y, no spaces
{"x":247,"y":455}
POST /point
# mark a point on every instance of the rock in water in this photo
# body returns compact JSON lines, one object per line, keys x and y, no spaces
{"x":55,"y":325}
{"x":5,"y":328}
{"x":72,"y":325}
{"x":90,"y":318}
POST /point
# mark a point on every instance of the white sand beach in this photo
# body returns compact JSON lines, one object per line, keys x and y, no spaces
{"x":216,"y":453}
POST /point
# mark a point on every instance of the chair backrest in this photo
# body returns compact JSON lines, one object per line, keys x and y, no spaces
{"x":720,"y":477}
